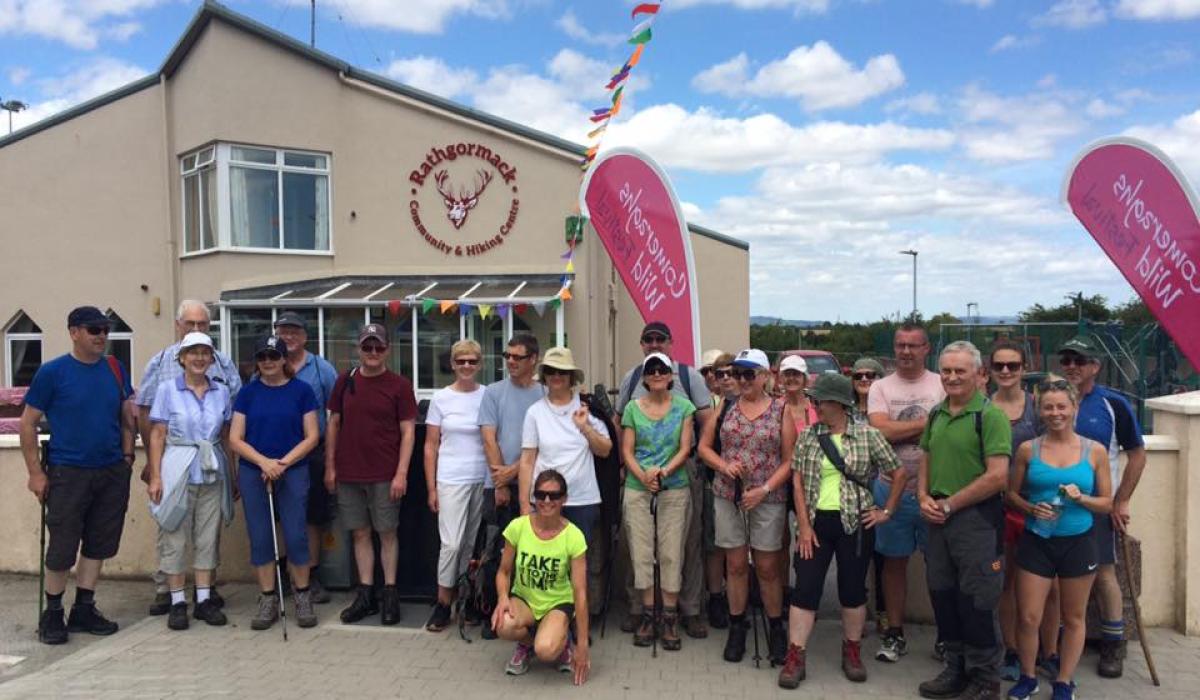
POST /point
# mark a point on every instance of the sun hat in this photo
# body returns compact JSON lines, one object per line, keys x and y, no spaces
{"x":659,"y":358}
{"x":561,"y":359}
{"x":868,"y":364}
{"x":832,"y":386}
{"x":709,"y":358}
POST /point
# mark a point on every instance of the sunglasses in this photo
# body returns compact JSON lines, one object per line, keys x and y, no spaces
{"x":722,"y":373}
{"x":555,"y":372}
{"x":1076,"y":360}
{"x":540,"y":495}
{"x":654,"y":338}
{"x":744,"y":375}
{"x":1053,"y":385}
{"x":466,"y":361}
{"x":658,"y":371}
{"x":515,"y":357}
{"x":96,"y":330}
{"x":1007,"y":366}
{"x":373,"y":349}
{"x":792,"y":374}
{"x":268,"y":356}
{"x":864,"y":376}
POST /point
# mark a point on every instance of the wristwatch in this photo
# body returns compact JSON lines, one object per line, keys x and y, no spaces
{"x":887,"y":511}
{"x":766,"y":488}
{"x":946,"y":507}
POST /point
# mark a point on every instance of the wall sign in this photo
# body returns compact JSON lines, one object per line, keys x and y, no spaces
{"x":458,"y":176}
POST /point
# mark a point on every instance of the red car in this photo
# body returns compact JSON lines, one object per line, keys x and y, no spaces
{"x":819,"y":361}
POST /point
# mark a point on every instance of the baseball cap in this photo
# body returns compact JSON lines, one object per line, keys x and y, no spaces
{"x":270,"y":342}
{"x":657,"y":327}
{"x":86,"y":316}
{"x":290,"y":318}
{"x":373,"y":330}
{"x":752,"y":357}
{"x":832,"y":386}
{"x":1082,"y":344}
{"x":194,"y":339}
{"x":794,"y":362}
{"x":659,"y":358}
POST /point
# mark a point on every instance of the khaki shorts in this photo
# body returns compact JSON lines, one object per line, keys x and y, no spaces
{"x":201,"y":528}
{"x":766,"y":525}
{"x":673,"y":508}
{"x":368,"y":505}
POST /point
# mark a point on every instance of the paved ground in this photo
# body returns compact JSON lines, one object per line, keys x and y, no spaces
{"x":146,"y":660}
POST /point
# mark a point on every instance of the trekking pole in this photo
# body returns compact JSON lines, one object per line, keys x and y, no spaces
{"x":278,"y":569}
{"x":41,"y":593}
{"x":752,"y":575}
{"x":657,"y":574}
{"x":1137,"y":610}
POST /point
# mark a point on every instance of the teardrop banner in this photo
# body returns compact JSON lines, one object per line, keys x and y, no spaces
{"x":1138,"y":206}
{"x":635,"y":212}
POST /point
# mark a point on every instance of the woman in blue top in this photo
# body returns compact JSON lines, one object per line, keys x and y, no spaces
{"x":1058,"y":481}
{"x":274,"y":428}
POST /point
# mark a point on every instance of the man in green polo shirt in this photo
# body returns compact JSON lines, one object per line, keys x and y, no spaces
{"x":964,"y":465}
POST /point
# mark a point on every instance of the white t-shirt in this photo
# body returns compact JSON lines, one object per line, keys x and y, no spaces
{"x":561,"y":446}
{"x":461,"y":459}
{"x":904,"y":400}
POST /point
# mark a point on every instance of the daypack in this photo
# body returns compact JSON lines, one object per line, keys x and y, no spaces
{"x":685,"y":381}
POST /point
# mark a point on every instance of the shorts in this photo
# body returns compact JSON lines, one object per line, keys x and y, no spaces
{"x":1014,"y":525}
{"x":366,"y":505}
{"x":673,"y":508}
{"x":1106,"y":539}
{"x":568,"y":608}
{"x":905,"y":532}
{"x":201,"y":529}
{"x":853,"y":554}
{"x":86,"y":505}
{"x":766,"y":525}
{"x":1063,"y":557}
{"x":322,"y":505}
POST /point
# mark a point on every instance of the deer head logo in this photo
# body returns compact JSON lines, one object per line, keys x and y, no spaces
{"x":459,"y":205}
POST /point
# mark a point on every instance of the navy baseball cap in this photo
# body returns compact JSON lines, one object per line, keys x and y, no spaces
{"x":290,"y":318}
{"x":86,"y":316}
{"x":268,"y":343}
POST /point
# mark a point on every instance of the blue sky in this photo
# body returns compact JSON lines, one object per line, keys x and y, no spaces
{"x":829,"y":133}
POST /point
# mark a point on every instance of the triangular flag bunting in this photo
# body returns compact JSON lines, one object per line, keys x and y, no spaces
{"x":617,"y":97}
{"x":597,"y":131}
{"x":570,"y":266}
{"x":427,"y":305}
{"x":394,"y":307}
{"x":502,"y":311}
{"x":554,"y":303}
{"x":521,"y":308}
{"x":566,"y":294}
{"x":484,"y":310}
{"x":637,"y":56}
{"x":645,"y":8}
{"x":447,"y":305}
{"x":640,"y":38}
{"x":464,"y":309}
{"x":539,"y":307}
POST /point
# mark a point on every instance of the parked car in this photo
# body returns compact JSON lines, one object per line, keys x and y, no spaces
{"x":819,"y":361}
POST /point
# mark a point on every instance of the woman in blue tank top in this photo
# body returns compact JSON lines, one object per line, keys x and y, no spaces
{"x":1058,"y":481}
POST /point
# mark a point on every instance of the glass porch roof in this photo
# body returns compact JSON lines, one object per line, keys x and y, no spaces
{"x":379,"y":290}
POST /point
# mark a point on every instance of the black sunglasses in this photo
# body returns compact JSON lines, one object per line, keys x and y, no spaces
{"x":540,"y":495}
{"x":515,"y":356}
{"x":1007,"y":366}
{"x":1053,"y":385}
{"x":268,"y":356}
{"x":722,"y":373}
{"x":654,"y":338}
{"x":555,"y":372}
{"x":744,"y":375}
{"x":864,"y":376}
{"x":373,"y":348}
{"x":658,"y":371}
{"x":466,"y":361}
{"x":1077,"y":360}
{"x":96,"y":330}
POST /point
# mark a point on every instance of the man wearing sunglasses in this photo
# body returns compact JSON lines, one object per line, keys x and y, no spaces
{"x":1106,"y":417}
{"x":369,"y":444}
{"x":85,"y":485}
{"x":688,"y":383}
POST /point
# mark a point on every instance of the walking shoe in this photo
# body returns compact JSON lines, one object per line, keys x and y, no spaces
{"x":215,"y":597}
{"x":939,"y":651}
{"x":669,"y":634}
{"x":1011,"y":669}
{"x":852,"y":664}
{"x":1048,"y":666}
{"x":519,"y":663}
{"x":735,"y":643}
{"x":982,"y":690}
{"x":950,"y":683}
{"x":210,"y":612}
{"x":695,"y":627}
{"x":718,"y":611}
{"x":794,"y":668}
{"x":362,"y":606}
{"x":777,"y":643}
{"x":306,"y":616}
{"x":52,"y":628}
{"x":1025,"y":688}
{"x":177,"y":619}
{"x":891,"y":647}
{"x":564,"y":659}
{"x":1062,"y":691}
{"x":161,"y":604}
{"x":86,"y":618}
{"x":487,"y":632}
{"x":267,"y":613}
{"x":1111,"y":665}
{"x":439,"y":619}
{"x":390,"y":606}
{"x":316,"y":591}
{"x":646,"y":632}
{"x":631,"y":621}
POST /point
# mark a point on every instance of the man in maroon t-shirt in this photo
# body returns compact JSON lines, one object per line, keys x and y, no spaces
{"x":369,"y":442}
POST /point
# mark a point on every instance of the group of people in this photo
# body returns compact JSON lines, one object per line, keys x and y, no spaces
{"x":727,"y":470}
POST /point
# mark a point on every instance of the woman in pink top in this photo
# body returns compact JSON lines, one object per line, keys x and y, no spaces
{"x":793,"y":376}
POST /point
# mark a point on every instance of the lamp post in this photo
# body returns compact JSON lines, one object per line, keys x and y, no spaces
{"x":11,"y":106}
{"x":913,"y":253}
{"x":971,"y":304}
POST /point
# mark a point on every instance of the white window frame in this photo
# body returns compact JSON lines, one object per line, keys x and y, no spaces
{"x":9,"y":337}
{"x":124,"y":335}
{"x":201,"y":159}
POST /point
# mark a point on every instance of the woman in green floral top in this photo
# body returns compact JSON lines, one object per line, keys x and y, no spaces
{"x":835,"y":513}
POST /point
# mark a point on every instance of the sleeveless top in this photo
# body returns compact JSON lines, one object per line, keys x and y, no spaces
{"x":1041,"y":484}
{"x":755,"y":444}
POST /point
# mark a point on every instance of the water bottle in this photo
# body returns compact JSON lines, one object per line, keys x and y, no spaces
{"x":1056,"y":504}
{"x":1046,"y":528}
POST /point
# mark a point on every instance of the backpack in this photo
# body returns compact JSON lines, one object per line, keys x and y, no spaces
{"x":347,"y":385}
{"x":726,"y":405}
{"x":608,"y":469}
{"x":685,"y":381}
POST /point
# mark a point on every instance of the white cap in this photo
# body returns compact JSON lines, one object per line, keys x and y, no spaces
{"x":660,"y":357}
{"x":710,"y":357}
{"x":194,"y":339}
{"x":752,"y":357}
{"x":794,"y":362}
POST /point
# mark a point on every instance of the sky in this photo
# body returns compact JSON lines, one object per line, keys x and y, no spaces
{"x":829,"y":134}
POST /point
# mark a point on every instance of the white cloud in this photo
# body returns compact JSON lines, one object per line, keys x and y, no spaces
{"x":1099,"y":109}
{"x":122,"y":31}
{"x":1159,"y":10}
{"x":18,"y":75}
{"x":1073,"y":14}
{"x":924,"y":103}
{"x":571,"y":26}
{"x":92,"y":80}
{"x":1010,"y":129}
{"x":1012,"y":42}
{"x":417,"y":16}
{"x":78,"y":23}
{"x":817,"y":75}
{"x":432,"y":75}
{"x":1180,"y":140}
{"x":799,"y":6}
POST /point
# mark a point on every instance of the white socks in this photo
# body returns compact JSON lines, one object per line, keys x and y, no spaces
{"x":177,"y":597}
{"x":202,"y":594}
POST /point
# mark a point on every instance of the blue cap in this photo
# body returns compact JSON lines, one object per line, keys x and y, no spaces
{"x":268,"y":343}
{"x":87,"y":316}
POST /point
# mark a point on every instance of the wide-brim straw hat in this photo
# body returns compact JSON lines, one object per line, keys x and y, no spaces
{"x":561,"y":359}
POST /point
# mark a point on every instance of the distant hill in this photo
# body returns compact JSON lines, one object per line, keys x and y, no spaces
{"x":772,"y":320}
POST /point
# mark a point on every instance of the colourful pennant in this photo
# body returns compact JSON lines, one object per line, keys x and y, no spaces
{"x":554,"y":303}
{"x":485,"y":310}
{"x":618,"y":78}
{"x":597,"y":131}
{"x":607,"y":112}
{"x":502,"y":311}
{"x":637,"y":56}
{"x":427,"y":305}
{"x":570,"y":266}
{"x":539,"y":307}
{"x":394,"y":307}
{"x":447,"y":305}
{"x":645,"y":8}
{"x":641,"y":38}
{"x":565,"y":295}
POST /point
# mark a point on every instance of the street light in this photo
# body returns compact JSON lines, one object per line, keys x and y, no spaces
{"x":12,"y":106}
{"x":913,"y":253}
{"x":969,"y":305}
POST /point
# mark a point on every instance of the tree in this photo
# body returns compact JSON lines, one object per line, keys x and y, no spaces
{"x":1134,"y":313}
{"x":943,"y":318}
{"x":1094,"y":308}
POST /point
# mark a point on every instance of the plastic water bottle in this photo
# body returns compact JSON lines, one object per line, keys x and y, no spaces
{"x":1046,"y":528}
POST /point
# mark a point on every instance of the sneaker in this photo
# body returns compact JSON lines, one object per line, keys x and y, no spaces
{"x":1048,"y":666}
{"x":364,"y":605}
{"x":161,"y":604}
{"x":631,"y":621}
{"x":267,"y":613}
{"x":718,"y":611}
{"x":212,"y":595}
{"x":52,"y":628}
{"x":1025,"y":688}
{"x":735,"y":643}
{"x":306,"y":616}
{"x":86,"y":618}
{"x":645,"y":633}
{"x":439,"y":619}
{"x":316,"y":591}
{"x":519,"y":663}
{"x":950,"y":683}
{"x":564,"y":659}
{"x":891,"y":647}
{"x":1062,"y":691}
{"x":390,"y":606}
{"x":177,"y":619}
{"x":669,"y":634}
{"x":794,"y":668}
{"x":852,"y":664}
{"x":695,"y":627}
{"x":210,"y":612}
{"x":939,"y":651}
{"x":982,"y":690}
{"x":1011,"y":669}
{"x":777,"y":644}
{"x":1111,"y":665}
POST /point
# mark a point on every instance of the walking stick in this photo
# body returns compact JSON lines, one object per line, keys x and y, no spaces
{"x":278,"y":569}
{"x":1137,"y":611}
{"x":752,"y":576}
{"x":657,"y":575}
{"x":41,"y":594}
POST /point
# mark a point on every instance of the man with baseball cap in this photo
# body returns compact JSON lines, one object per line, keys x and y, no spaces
{"x":85,"y":484}
{"x":688,"y":384}
{"x":320,"y":375}
{"x":369,"y":444}
{"x":1106,"y":417}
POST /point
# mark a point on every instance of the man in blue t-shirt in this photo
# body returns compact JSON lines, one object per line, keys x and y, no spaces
{"x":1106,"y":417}
{"x":85,"y":483}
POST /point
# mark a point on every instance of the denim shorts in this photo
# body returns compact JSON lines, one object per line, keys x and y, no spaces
{"x":905,"y":532}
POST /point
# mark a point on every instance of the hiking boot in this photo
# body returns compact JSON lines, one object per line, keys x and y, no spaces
{"x":267,"y":613}
{"x":161,"y":604}
{"x":212,"y":595}
{"x":852,"y":664}
{"x":1025,"y":688}
{"x":982,"y":690}
{"x":794,"y":668}
{"x":695,"y":627}
{"x":390,"y":606}
{"x":1062,"y":691}
{"x":1111,"y":664}
{"x":735,"y":643}
{"x":631,"y":621}
{"x":362,"y":606}
{"x":177,"y":619}
{"x":563,"y":663}
{"x":777,"y":643}
{"x":950,"y":683}
{"x":439,"y":619}
{"x":52,"y":628}
{"x":316,"y":591}
{"x":471,"y":613}
{"x":210,"y":612}
{"x":891,"y":647}
{"x":669,"y":634}
{"x":646,"y":632}
{"x":1048,"y":666}
{"x":718,"y":611}
{"x":86,"y":618}
{"x":1010,"y":670}
{"x":306,"y":616}
{"x":519,"y":663}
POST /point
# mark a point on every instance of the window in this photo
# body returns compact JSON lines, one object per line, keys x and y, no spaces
{"x":120,"y":340}
{"x":22,"y":350}
{"x":199,"y":200}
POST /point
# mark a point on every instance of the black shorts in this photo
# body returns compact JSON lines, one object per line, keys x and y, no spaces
{"x":1062,"y":557}
{"x":322,"y":505}
{"x":568,"y":608}
{"x":85,"y":505}
{"x":1106,"y":539}
{"x":853,"y":553}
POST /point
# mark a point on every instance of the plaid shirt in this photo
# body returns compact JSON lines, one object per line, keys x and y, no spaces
{"x":864,"y":450}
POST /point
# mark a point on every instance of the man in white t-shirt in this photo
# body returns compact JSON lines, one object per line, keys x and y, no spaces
{"x":898,"y":406}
